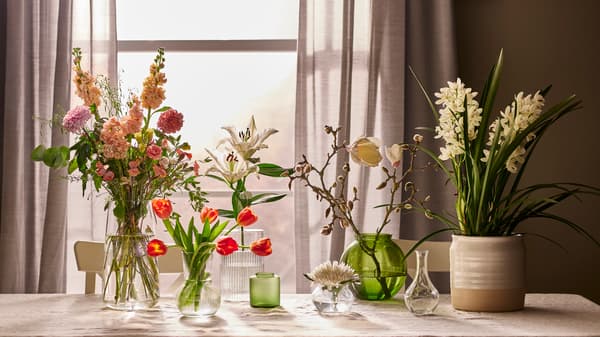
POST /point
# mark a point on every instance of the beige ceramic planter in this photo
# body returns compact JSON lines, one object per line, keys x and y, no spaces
{"x":487,"y":273}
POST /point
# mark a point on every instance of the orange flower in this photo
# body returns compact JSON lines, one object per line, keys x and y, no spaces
{"x":156,"y":248}
{"x":209,"y":214}
{"x":226,"y":245}
{"x":261,"y":247}
{"x":162,"y":208}
{"x":246,"y":217}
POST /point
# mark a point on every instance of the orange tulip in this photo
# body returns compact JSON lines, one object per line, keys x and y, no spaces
{"x":210,"y":214}
{"x":156,"y":248}
{"x":226,"y":245}
{"x":261,"y":247}
{"x":246,"y":217}
{"x":162,"y":208}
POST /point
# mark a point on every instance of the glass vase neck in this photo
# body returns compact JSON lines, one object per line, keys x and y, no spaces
{"x":372,"y":236}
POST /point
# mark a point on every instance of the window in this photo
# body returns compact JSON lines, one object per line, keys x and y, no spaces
{"x":225,"y":61}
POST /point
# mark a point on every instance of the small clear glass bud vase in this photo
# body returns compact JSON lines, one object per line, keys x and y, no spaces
{"x":421,"y":297}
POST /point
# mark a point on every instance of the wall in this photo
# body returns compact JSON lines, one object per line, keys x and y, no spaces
{"x":547,"y":42}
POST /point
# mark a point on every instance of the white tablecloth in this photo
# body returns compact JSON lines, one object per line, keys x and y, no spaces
{"x":84,"y":315}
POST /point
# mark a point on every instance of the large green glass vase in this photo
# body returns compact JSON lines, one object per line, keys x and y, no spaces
{"x":379,"y":263}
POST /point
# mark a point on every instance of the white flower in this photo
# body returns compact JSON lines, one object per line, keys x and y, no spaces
{"x":230,"y":167}
{"x":247,"y":142}
{"x":394,"y":154}
{"x":451,"y":119}
{"x":365,"y":151}
{"x":332,"y":274}
{"x":515,"y":118}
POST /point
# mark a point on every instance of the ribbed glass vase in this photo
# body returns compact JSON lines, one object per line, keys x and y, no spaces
{"x":237,"y":268}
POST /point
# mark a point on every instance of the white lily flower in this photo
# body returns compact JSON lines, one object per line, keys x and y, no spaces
{"x":230,"y":167}
{"x":247,"y":142}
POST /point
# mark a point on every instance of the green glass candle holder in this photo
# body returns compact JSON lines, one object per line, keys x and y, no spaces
{"x":264,"y":290}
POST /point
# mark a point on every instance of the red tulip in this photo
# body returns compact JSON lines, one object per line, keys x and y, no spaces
{"x":226,"y":245}
{"x":261,"y":247}
{"x":246,"y":217}
{"x":156,"y":248}
{"x":209,"y":214}
{"x":162,"y":208}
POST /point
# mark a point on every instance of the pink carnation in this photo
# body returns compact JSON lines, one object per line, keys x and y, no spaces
{"x":170,"y":121}
{"x":154,"y":152}
{"x":76,"y":118}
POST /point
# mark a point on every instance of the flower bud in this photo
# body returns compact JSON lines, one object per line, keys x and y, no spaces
{"x":208,"y":213}
{"x":162,"y":208}
{"x":246,"y":217}
{"x":226,"y":245}
{"x":261,"y":247}
{"x":417,"y":138}
{"x":156,"y":248}
{"x":365,"y":151}
{"x":394,"y":154}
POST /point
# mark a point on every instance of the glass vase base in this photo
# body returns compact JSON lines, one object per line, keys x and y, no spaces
{"x":370,"y":288}
{"x":132,"y":306}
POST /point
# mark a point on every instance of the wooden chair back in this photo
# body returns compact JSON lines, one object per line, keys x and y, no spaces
{"x":438,"y":258}
{"x":89,"y":256}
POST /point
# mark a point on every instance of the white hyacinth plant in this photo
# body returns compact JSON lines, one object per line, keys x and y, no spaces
{"x":487,"y":158}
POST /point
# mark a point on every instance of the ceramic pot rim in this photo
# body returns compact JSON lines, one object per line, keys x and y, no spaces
{"x":517,"y":236}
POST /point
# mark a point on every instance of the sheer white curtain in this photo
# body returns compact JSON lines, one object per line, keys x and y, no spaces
{"x":352,"y":58}
{"x":94,"y":31}
{"x":35,"y":64}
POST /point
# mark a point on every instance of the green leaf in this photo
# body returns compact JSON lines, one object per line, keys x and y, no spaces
{"x":265,"y":197}
{"x":56,"y":157}
{"x":272,"y":170}
{"x":119,"y":211}
{"x":217,"y":230}
{"x":38,"y":153}
{"x":206,"y":231}
{"x":226,"y":213}
{"x":72,"y":166}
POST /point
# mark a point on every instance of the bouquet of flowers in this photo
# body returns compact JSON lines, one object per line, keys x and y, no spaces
{"x":488,"y":157}
{"x":133,"y":162}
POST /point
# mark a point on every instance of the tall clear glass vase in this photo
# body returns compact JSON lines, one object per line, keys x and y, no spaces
{"x":421,"y":297}
{"x":237,"y":267}
{"x":130,"y":278}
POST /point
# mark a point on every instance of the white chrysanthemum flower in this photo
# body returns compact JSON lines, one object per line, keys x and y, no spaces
{"x":451,"y":119}
{"x":515,"y":118}
{"x":332,"y":274}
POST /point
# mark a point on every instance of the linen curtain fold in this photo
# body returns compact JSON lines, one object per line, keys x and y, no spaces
{"x":35,"y":72}
{"x":33,"y":229}
{"x":352,"y":58}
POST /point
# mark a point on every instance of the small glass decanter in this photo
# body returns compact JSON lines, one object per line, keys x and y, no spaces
{"x":421,"y":297}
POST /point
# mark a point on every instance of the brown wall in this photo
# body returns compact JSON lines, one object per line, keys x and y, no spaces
{"x":547,"y":42}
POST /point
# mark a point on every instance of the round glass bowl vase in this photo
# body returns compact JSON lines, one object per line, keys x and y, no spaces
{"x":382,"y":273}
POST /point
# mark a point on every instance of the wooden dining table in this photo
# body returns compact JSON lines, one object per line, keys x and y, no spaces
{"x":53,"y":315}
